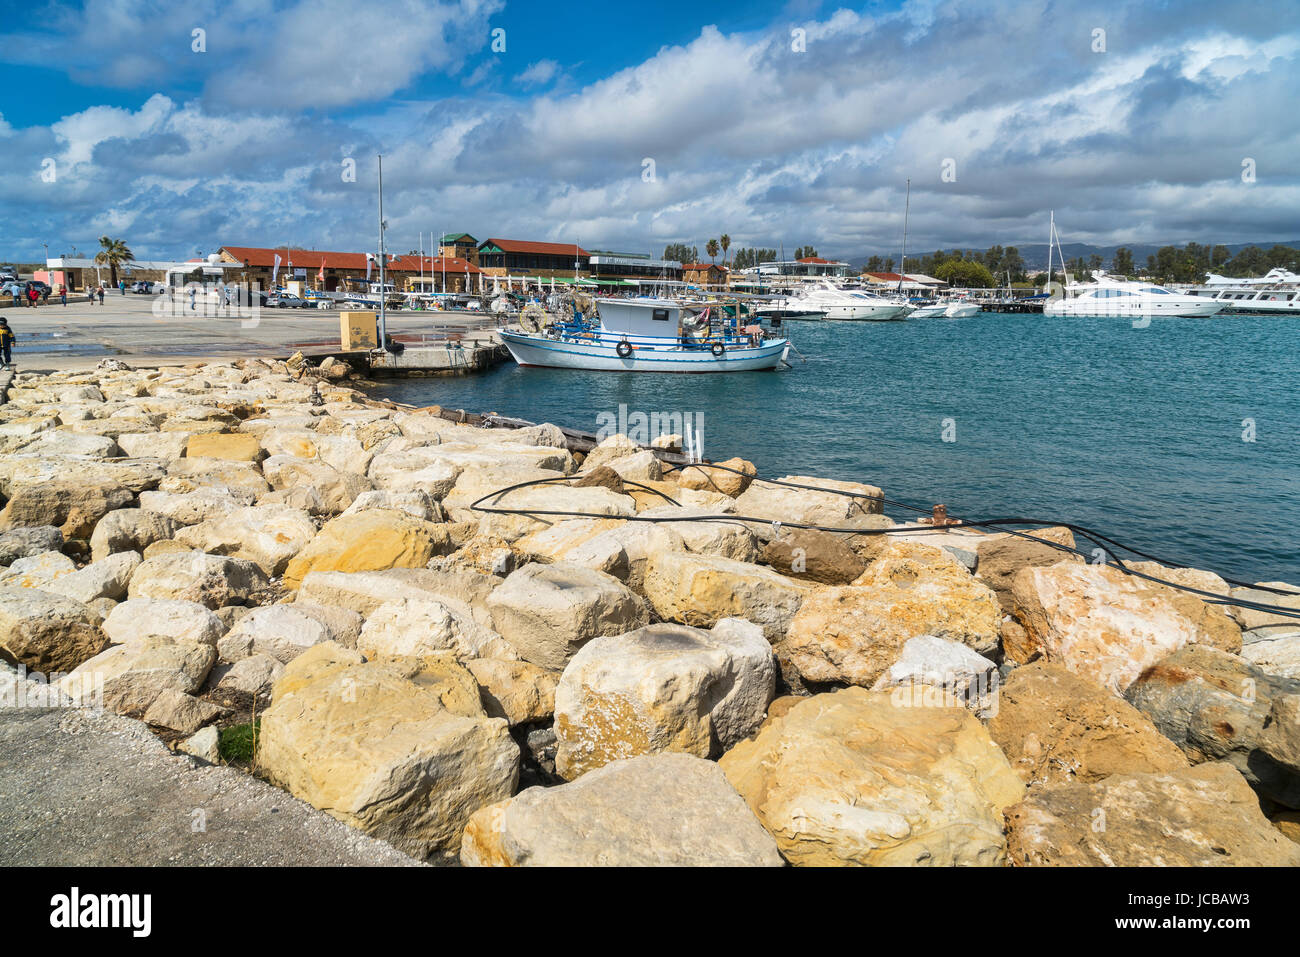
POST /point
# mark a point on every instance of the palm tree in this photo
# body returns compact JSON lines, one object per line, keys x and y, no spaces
{"x":711,"y":247}
{"x":114,"y":253}
{"x":725,"y":243}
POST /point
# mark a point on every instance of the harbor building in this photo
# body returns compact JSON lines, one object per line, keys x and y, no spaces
{"x":459,"y":246}
{"x":705,"y":275}
{"x":331,"y":271}
{"x":518,"y":257}
{"x":632,"y":269}
{"x":82,"y":273}
{"x":810,"y":267}
{"x":912,"y":282}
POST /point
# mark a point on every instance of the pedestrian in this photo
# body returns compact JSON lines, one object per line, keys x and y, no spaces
{"x":101,"y":295}
{"x":32,"y":296}
{"x":191,"y":297}
{"x":18,"y":299}
{"x":45,"y":295}
{"x":63,"y":295}
{"x":6,"y":341}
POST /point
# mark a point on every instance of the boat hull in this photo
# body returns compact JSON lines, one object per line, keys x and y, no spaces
{"x":570,"y":354}
{"x":1074,"y":308}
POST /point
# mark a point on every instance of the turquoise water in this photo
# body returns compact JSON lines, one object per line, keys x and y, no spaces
{"x":1134,"y":432}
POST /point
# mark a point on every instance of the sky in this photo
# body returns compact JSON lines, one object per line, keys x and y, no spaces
{"x":182,"y":127}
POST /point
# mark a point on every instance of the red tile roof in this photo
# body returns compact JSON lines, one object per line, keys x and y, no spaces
{"x":816,"y":259}
{"x":698,"y":266}
{"x":884,"y":276}
{"x":545,"y":249}
{"x":310,"y":259}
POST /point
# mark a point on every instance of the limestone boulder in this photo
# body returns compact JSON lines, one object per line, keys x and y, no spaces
{"x":177,"y":711}
{"x":701,"y":590}
{"x":732,"y":477}
{"x":850,"y":778}
{"x":232,"y":447}
{"x":1275,"y":651}
{"x":1000,"y":557}
{"x":283,"y":632}
{"x":1204,"y":816}
{"x":548,"y":612}
{"x":853,"y":633}
{"x":517,"y":690}
{"x":1056,"y":727}
{"x":641,"y":466}
{"x":130,"y":677}
{"x":931,"y":670}
{"x":371,"y":540}
{"x":1107,"y":626}
{"x":130,"y":530}
{"x":337,"y":489}
{"x":139,"y":619}
{"x":191,"y":508}
{"x":410,"y":470}
{"x":16,"y":543}
{"x":73,"y":507}
{"x":229,"y":475}
{"x":808,"y":555}
{"x":38,"y":571}
{"x":732,"y":540}
{"x":415,"y":502}
{"x":107,"y":578}
{"x":158,"y":445}
{"x":45,"y":632}
{"x":662,"y":810}
{"x":825,"y":502}
{"x":363,"y":592}
{"x":255,"y":675}
{"x":373,"y":748}
{"x":1280,"y":594}
{"x":211,"y":580}
{"x":267,"y":535}
{"x":1216,"y":706}
{"x":572,"y":541}
{"x":662,"y":688}
{"x":424,"y":626}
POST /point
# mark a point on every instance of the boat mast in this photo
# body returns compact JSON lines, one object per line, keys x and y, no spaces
{"x":383,"y":315}
{"x":902,"y":263}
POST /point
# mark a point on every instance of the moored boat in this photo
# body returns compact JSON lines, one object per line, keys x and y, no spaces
{"x":647,"y":335}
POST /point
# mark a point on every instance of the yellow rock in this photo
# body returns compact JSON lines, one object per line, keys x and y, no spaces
{"x":371,"y":540}
{"x":231,"y":446}
{"x":851,"y":778}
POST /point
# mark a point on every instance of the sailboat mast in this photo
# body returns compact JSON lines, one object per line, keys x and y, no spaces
{"x":902,"y":262}
{"x":383,"y":297}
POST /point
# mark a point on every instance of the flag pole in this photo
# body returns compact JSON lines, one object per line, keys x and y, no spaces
{"x":383,"y":298}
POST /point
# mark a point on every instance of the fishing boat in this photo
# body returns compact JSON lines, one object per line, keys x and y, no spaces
{"x":647,"y":335}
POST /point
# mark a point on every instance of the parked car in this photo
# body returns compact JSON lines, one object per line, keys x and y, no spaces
{"x":42,"y":287}
{"x":285,"y":300}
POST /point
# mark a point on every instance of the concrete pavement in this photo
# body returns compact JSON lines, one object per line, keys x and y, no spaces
{"x":54,"y":337}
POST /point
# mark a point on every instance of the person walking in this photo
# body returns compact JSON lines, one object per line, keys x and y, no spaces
{"x":63,"y":294}
{"x":101,"y":295}
{"x":18,"y":296}
{"x":45,"y":295}
{"x":6,"y":342}
{"x":191,"y":297}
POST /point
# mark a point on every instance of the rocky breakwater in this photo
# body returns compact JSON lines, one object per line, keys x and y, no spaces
{"x":256,"y":548}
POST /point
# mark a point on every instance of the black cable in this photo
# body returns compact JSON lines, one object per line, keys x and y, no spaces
{"x":1083,"y":531}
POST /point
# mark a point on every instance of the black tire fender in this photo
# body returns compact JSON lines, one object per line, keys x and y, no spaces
{"x":624,"y":349}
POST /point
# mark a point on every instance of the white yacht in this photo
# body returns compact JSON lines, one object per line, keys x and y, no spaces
{"x":1116,"y":297}
{"x":855,"y":304}
{"x":947,"y":309}
{"x":1275,"y":293}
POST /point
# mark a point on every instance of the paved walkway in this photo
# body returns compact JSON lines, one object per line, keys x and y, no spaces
{"x":90,"y":789}
{"x":54,"y":337}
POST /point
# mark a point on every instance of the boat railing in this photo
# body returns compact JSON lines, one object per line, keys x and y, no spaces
{"x":701,"y":339}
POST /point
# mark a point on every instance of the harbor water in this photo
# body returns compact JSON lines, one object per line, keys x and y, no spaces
{"x":1181,"y":438}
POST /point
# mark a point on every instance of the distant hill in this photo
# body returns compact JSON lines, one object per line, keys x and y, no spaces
{"x":1035,"y":254}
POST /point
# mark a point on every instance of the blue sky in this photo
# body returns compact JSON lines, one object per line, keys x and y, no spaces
{"x":628,"y":126}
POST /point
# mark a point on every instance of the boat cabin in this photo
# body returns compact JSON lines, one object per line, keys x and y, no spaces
{"x":650,"y":318}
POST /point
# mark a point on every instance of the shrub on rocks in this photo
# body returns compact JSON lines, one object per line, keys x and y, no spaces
{"x":664,"y":810}
{"x":1204,"y":816}
{"x":851,"y":778}
{"x":548,"y":612}
{"x":373,"y":748}
{"x":662,"y":688}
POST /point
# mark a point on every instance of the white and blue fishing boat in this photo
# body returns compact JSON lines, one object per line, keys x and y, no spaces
{"x":648,"y":335}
